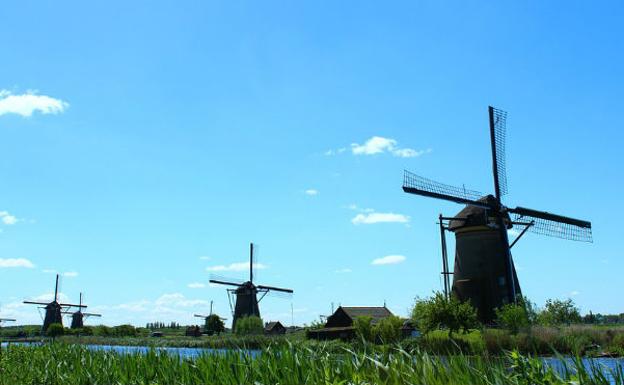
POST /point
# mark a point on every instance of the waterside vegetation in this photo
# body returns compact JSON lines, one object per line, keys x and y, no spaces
{"x":58,"y":363}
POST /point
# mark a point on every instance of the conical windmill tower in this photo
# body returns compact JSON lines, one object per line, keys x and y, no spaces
{"x":484,"y":271}
{"x":78,"y":316}
{"x":247,"y":292}
{"x":54,"y":309}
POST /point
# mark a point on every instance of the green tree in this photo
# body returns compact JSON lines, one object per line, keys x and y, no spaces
{"x":364,"y":328}
{"x":558,"y":312}
{"x":214,"y":325}
{"x":438,"y":312}
{"x":249,"y":325}
{"x":513,"y":317}
{"x":388,"y":330}
{"x":55,"y":330}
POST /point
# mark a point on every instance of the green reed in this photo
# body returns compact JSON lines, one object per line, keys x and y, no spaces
{"x":58,"y":363}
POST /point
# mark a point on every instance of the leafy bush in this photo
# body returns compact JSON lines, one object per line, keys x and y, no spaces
{"x":124,"y":331}
{"x":55,"y":330}
{"x":388,"y":330}
{"x":557,"y":312}
{"x":214,"y":325}
{"x":513,"y":316}
{"x":364,"y":328}
{"x":439,"y":312}
{"x":249,"y":325}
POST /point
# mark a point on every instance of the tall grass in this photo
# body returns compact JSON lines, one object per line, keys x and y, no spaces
{"x":291,"y":364}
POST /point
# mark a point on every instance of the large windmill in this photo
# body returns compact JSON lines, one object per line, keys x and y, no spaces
{"x":78,"y":316}
{"x":247,"y":292}
{"x":54,"y":309}
{"x":484,"y":271}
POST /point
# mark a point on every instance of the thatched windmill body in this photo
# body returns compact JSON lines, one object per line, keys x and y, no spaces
{"x":54,"y":309}
{"x":246,"y":293}
{"x":79,"y":316}
{"x":484,"y":271}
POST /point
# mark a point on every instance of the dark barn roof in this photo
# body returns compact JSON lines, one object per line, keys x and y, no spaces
{"x":345,"y":315}
{"x":375,"y":312}
{"x":273,"y":325}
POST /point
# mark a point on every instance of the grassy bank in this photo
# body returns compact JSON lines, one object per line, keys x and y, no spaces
{"x":584,"y":340}
{"x":59,"y":363}
{"x":579,"y":340}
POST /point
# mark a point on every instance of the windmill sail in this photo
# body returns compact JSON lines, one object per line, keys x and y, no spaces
{"x":553,"y":225}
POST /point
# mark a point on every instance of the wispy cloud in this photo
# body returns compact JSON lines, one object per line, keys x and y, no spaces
{"x":15,"y":262}
{"x":28,"y":103}
{"x":379,"y":145}
{"x":371,"y":218}
{"x":238,"y":266}
{"x":311,"y":192}
{"x":7,"y":218}
{"x":70,"y":274}
{"x":205,"y":258}
{"x":355,"y":207}
{"x":574,"y":293}
{"x":178,"y":300}
{"x":389,"y":260}
{"x":196,"y":285}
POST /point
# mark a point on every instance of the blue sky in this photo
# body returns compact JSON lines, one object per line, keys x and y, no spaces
{"x":145,"y":144}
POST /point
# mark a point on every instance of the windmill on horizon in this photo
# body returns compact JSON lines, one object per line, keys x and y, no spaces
{"x":246,"y":293}
{"x":484,"y":271}
{"x":54,"y":309}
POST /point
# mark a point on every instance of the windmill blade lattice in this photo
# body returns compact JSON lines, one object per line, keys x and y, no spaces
{"x":548,"y":225}
{"x":500,"y":133}
{"x":216,"y":277}
{"x":419,"y":185}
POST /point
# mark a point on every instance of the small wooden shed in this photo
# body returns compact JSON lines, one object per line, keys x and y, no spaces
{"x":274,"y":328}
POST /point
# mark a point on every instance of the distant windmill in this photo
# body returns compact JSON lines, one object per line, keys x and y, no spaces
{"x":247,"y":292}
{"x":54,"y":309}
{"x":484,"y":272}
{"x":205,"y":317}
{"x":78,"y":316}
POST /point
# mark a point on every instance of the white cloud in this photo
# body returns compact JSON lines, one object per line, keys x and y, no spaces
{"x":205,"y":258}
{"x":355,"y":207}
{"x":574,"y":293}
{"x":70,"y":274}
{"x":178,"y":300}
{"x":28,"y":103}
{"x":372,"y":218}
{"x":379,"y":145}
{"x":196,"y":285}
{"x":7,"y":218}
{"x":374,"y":145}
{"x":16,"y":262}
{"x":62,"y":297}
{"x":410,"y":152}
{"x":334,"y":152}
{"x":311,"y":192}
{"x":345,"y":270}
{"x":238,"y":266}
{"x":389,"y":260}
